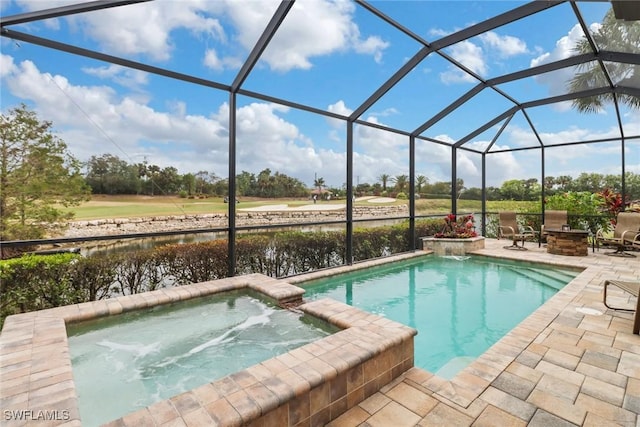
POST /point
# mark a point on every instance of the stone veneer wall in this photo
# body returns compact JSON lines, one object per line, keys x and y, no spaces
{"x":567,"y":244}
{"x":448,"y":247}
{"x":115,"y":226}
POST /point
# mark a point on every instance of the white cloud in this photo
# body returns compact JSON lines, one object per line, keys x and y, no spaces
{"x":317,"y":28}
{"x":503,"y":166}
{"x":371,"y":46}
{"x":631,"y":120}
{"x":7,"y":66}
{"x":557,"y":80}
{"x":312,"y":28}
{"x":379,"y":152}
{"x":146,"y":28}
{"x":94,"y":120}
{"x":127,"y":77}
{"x":475,"y":58}
{"x":386,"y":112}
{"x":504,"y":46}
{"x":471,"y":56}
{"x":439,"y":32}
{"x":517,"y":137}
{"x":213,"y":61}
{"x":340,"y":108}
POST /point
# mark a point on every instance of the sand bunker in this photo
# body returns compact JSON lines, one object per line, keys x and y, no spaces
{"x":381,"y":200}
{"x":266,"y":208}
{"x":320,"y":206}
{"x":315,"y":207}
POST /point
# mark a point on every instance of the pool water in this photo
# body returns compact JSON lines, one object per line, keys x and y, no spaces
{"x":459,"y":305}
{"x":127,"y":362}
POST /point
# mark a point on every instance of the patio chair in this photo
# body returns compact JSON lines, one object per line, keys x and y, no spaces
{"x":508,"y":227}
{"x":624,"y":234}
{"x":553,"y":219}
{"x":630,"y":287}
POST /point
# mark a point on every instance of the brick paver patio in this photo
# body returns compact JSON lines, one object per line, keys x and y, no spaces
{"x":573,"y":362}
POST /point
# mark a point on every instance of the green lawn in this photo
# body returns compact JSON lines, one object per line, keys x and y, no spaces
{"x":140,"y":206}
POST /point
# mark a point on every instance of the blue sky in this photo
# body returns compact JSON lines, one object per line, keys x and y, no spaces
{"x":331,"y":55}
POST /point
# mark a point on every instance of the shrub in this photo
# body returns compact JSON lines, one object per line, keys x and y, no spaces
{"x":194,"y":262}
{"x":428,"y":227}
{"x":583,"y":208}
{"x":36,"y":282}
{"x":94,"y":276}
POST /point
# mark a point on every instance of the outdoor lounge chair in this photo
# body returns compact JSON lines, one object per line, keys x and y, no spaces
{"x":508,"y":228}
{"x":553,"y":219}
{"x":624,"y":234}
{"x":631,"y":287}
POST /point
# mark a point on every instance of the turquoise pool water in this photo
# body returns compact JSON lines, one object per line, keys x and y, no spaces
{"x":126,"y":362}
{"x":459,"y":305}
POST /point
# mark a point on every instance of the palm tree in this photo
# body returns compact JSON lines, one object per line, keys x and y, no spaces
{"x":614,"y":35}
{"x":384,"y":178}
{"x":318,"y":183}
{"x":420,"y":181}
{"x":401,"y":182}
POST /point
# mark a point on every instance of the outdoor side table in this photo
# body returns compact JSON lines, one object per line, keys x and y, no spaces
{"x":567,"y":242}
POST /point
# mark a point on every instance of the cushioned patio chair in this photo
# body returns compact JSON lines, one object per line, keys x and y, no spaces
{"x":625,"y":232}
{"x":508,"y":228}
{"x":630,"y":287}
{"x":553,"y":219}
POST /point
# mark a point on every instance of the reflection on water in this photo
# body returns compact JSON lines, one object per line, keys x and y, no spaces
{"x":132,"y":245}
{"x":137,"y":244}
{"x":460,"y":305}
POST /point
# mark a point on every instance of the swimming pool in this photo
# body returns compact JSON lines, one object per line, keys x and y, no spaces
{"x":139,"y":358}
{"x":459,"y":305}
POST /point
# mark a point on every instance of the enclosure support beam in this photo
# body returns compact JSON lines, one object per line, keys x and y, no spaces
{"x":483,"y":220}
{"x":73,"y":9}
{"x":454,"y":180}
{"x":262,"y":43}
{"x":350,"y":194}
{"x":543,"y":175}
{"x":231,"y":241}
{"x":412,"y":193}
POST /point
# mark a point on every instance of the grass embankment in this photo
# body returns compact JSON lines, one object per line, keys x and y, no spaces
{"x":102,"y":206}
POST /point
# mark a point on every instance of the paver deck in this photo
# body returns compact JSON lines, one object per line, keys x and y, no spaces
{"x":571,"y":363}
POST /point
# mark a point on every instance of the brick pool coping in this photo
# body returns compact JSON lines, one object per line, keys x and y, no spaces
{"x":26,"y":358}
{"x":310,"y":385}
{"x":581,"y":369}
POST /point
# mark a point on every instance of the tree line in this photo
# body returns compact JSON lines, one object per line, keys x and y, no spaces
{"x":108,"y":174}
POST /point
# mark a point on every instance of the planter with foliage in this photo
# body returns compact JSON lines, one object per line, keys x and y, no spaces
{"x":457,"y":237}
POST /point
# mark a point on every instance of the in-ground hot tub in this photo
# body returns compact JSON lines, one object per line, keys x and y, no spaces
{"x":311,"y":384}
{"x":146,"y":356}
